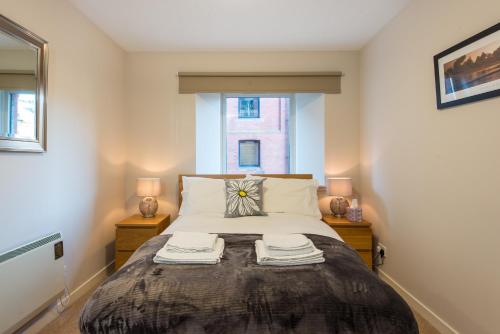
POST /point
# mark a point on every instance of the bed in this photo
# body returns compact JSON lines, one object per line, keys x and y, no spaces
{"x":239,"y":296}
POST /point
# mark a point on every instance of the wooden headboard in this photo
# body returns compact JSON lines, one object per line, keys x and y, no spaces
{"x":239,"y":176}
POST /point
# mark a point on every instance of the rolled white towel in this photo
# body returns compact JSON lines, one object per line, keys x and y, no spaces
{"x":264,"y":258}
{"x":168,"y":257}
{"x":286,"y":241}
{"x":189,"y":242}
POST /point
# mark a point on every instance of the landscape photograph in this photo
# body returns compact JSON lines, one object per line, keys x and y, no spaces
{"x":472,"y":69}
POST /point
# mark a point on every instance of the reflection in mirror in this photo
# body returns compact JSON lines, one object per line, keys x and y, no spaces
{"x":23,"y":89}
{"x":18,"y":70}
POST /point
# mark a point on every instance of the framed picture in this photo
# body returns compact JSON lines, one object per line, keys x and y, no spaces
{"x":470,"y":70}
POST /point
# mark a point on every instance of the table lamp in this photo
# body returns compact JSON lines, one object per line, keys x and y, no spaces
{"x":148,"y":188}
{"x":339,"y":187}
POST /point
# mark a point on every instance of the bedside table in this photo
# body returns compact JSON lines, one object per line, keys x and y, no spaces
{"x":133,"y":232}
{"x":357,"y":235}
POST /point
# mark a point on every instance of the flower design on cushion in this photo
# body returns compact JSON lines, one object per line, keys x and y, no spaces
{"x":244,"y":198}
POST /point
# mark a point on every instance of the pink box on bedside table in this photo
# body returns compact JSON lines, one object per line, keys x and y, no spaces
{"x":354,"y":215}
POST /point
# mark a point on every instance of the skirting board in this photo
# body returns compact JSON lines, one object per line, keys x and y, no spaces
{"x":51,"y":313}
{"x":438,"y":323}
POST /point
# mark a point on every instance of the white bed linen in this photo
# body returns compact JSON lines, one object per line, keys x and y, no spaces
{"x":273,"y":223}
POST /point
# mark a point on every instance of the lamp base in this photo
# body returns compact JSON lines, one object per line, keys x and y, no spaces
{"x":148,"y":207}
{"x":339,"y":206}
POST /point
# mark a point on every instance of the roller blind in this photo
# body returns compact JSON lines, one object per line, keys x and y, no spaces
{"x":17,"y":81}
{"x":262,"y":82}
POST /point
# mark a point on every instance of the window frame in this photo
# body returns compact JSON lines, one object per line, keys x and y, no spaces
{"x":291,"y":127}
{"x":11,"y":112}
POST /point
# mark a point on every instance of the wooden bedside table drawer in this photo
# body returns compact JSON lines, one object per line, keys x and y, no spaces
{"x":135,"y":230}
{"x":357,"y":235}
{"x":131,"y":238}
{"x":358,"y":238}
{"x":367,"y":257}
{"x":121,"y":257}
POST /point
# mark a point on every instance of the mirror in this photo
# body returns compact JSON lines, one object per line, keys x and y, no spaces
{"x":23,"y":82}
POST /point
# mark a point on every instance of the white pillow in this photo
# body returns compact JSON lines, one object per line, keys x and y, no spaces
{"x":296,"y":196}
{"x":202,"y":195}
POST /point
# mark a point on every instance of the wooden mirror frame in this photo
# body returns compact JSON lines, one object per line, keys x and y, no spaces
{"x":39,"y":144}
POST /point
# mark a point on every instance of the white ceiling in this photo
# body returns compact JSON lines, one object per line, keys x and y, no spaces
{"x":179,"y":25}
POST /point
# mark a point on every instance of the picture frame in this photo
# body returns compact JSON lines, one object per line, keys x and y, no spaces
{"x":469,"y":71}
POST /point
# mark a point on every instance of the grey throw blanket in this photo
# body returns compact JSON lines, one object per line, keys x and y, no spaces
{"x":238,"y":296}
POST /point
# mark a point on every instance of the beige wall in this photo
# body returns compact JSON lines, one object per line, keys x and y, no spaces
{"x":77,"y":187}
{"x":21,"y":60}
{"x":430,"y":178}
{"x":161,"y":122}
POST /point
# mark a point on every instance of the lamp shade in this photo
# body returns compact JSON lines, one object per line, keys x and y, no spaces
{"x":340,"y":186}
{"x":148,"y":186}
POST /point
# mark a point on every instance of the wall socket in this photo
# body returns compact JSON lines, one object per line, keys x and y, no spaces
{"x":381,"y":247}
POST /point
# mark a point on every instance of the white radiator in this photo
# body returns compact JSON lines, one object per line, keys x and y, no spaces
{"x":30,"y":280}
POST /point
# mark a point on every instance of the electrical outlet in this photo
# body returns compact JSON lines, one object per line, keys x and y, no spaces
{"x":381,"y":247}
{"x":58,"y":250}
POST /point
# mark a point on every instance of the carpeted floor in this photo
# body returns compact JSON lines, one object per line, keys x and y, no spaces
{"x":67,"y":323}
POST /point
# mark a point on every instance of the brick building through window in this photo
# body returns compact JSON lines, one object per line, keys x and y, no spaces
{"x":259,"y":141}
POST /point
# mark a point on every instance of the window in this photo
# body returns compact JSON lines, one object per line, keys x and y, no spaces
{"x":248,"y":107}
{"x":17,"y":114}
{"x":249,"y":153}
{"x":256,"y":134}
{"x":288,"y":136}
{"x":22,"y":114}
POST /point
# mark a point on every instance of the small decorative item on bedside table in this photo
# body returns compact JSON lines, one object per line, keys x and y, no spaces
{"x":354,"y":213}
{"x":339,"y":187}
{"x":148,"y":188}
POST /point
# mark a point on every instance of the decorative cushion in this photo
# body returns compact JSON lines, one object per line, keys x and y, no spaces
{"x":244,"y":198}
